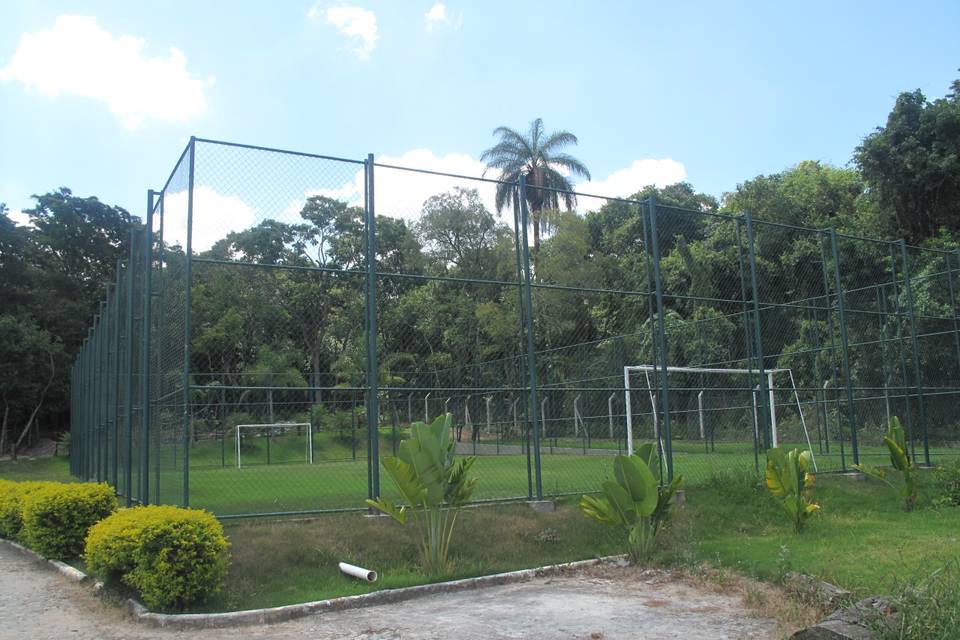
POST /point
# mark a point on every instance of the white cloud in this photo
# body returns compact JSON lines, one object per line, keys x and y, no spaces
{"x":20,"y":218}
{"x":214,"y":216}
{"x":360,"y":25}
{"x":438,"y":17}
{"x":78,"y":57}
{"x":401,"y":194}
{"x":626,"y":182}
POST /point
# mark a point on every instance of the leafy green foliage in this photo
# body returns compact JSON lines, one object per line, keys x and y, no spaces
{"x":946,"y":484}
{"x":913,"y":163}
{"x":173,"y":557}
{"x":11,"y":505}
{"x":789,"y":480}
{"x":927,"y":607}
{"x":52,"y":275}
{"x":56,"y":516}
{"x":633,"y":501}
{"x":906,"y":487}
{"x":434,"y":486}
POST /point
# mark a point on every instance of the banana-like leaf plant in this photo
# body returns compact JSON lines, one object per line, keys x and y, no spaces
{"x":896,"y":441}
{"x":434,"y":486}
{"x":789,"y":480}
{"x":633,"y":501}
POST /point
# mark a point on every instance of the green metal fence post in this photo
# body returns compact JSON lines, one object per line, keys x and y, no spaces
{"x":764,"y":398}
{"x":521,"y":361}
{"x":662,"y":339}
{"x":187,"y":312}
{"x":101,"y":391}
{"x":831,"y":330}
{"x":128,"y":370}
{"x":953,"y":305}
{"x":908,"y":415}
{"x":844,"y":343}
{"x":917,"y":375}
{"x":748,"y":347}
{"x":654,"y":340}
{"x":533,"y":412}
{"x":85,"y":467}
{"x":145,"y":353}
{"x":157,"y":345}
{"x":372,"y":361}
{"x":116,"y":378}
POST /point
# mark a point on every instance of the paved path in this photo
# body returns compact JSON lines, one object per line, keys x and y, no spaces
{"x":37,"y":603}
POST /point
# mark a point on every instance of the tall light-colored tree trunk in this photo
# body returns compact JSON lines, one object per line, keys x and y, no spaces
{"x":36,"y":409}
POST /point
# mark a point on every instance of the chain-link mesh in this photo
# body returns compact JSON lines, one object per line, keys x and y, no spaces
{"x":283,"y":318}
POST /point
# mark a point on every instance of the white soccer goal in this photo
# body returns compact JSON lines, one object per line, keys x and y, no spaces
{"x":268,"y":430}
{"x":772,"y":377}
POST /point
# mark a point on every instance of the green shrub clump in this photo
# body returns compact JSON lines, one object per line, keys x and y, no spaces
{"x":11,"y":505}
{"x":56,"y":517}
{"x":173,"y":557}
{"x":946,"y":484}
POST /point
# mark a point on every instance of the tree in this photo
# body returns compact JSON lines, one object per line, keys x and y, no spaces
{"x":28,"y":364}
{"x":913,"y":163}
{"x":459,"y":232}
{"x":52,"y":275}
{"x":537,"y":156}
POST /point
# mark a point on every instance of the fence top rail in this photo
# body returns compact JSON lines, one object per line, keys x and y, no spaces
{"x":255,"y":147}
{"x":444,"y":174}
{"x":709,"y":214}
{"x":671,"y":369}
{"x":173,"y":172}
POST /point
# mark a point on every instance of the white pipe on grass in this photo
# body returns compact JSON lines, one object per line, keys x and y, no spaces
{"x":358,"y":572}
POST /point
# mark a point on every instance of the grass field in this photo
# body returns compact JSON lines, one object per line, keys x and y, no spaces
{"x":56,"y":469}
{"x":862,"y":540}
{"x":338,"y":481}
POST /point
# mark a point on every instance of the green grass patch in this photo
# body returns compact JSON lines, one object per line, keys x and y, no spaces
{"x":861,"y":540}
{"x":276,"y":563}
{"x":55,"y":469}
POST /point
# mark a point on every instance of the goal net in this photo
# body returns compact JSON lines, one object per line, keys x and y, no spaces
{"x":274,"y":443}
{"x":707,"y":401}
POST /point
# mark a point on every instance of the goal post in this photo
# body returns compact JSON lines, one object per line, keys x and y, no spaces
{"x":268,"y":428}
{"x":646,"y":370}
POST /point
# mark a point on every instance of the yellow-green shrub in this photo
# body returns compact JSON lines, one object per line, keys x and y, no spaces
{"x":56,"y":517}
{"x":173,"y":557}
{"x":11,"y":505}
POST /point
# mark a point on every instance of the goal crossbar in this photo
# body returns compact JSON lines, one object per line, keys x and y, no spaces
{"x":647,"y":368}
{"x":278,"y":425}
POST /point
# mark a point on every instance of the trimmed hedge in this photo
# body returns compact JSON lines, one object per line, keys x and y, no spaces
{"x":11,"y":505}
{"x":56,"y":516}
{"x":173,"y":557}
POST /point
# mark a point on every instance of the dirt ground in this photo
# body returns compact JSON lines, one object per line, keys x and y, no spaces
{"x":607,"y":603}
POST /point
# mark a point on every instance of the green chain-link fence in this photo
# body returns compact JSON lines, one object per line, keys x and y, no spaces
{"x":284,"y":317}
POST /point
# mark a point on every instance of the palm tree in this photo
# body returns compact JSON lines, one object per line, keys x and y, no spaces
{"x":538,"y":157}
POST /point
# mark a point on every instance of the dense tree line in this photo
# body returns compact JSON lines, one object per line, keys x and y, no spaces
{"x":303,"y":325}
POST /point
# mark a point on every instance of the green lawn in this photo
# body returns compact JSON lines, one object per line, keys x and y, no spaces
{"x":861,"y":539}
{"x":56,"y":469}
{"x":338,"y":481}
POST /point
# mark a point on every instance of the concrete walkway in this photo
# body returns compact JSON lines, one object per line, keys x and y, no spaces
{"x":38,"y":603}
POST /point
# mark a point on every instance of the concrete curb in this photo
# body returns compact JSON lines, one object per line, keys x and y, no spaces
{"x":387,"y":596}
{"x":71,"y":573}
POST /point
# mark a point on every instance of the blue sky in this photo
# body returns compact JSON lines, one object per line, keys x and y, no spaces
{"x":92,"y":96}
